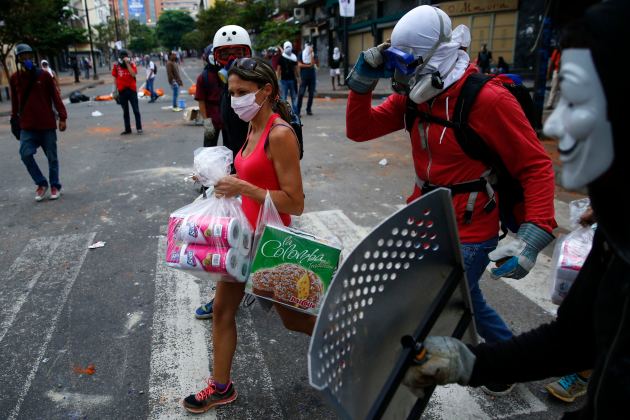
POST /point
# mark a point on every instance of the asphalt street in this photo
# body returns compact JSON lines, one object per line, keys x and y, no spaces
{"x":109,"y":333}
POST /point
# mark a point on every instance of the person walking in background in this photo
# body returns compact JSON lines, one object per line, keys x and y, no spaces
{"x":124,"y":73}
{"x":74,"y":63}
{"x":552,"y":73}
{"x":307,"y":78}
{"x":335,"y":67}
{"x":86,"y":67}
{"x":502,"y":66}
{"x":46,"y":68}
{"x":150,"y":71}
{"x":33,"y":121}
{"x":484,"y":58}
{"x":174,"y":79}
{"x":287,"y":72}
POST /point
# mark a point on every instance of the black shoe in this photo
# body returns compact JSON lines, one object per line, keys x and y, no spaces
{"x":124,"y":133}
{"x":151,"y":101}
{"x":140,"y":131}
{"x":309,"y":113}
{"x":497,"y":390}
{"x":209,"y":397}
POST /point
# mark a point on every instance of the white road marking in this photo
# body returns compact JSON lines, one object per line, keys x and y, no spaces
{"x":179,"y":357}
{"x":73,"y":399}
{"x":37,"y":253}
{"x":55,"y":287}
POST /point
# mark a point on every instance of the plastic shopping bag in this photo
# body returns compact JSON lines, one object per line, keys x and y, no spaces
{"x":568,"y":258}
{"x":290,"y":266}
{"x":211,"y":234}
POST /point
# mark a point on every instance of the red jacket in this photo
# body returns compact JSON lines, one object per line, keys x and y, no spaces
{"x":38,"y":112}
{"x":124,"y":79}
{"x":498,"y":118}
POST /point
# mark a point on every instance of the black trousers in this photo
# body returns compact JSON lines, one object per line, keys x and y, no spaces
{"x":211,"y":141}
{"x":127,"y":96}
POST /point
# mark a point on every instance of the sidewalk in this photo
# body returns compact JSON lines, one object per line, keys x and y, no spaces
{"x":67,"y":86}
{"x":323,"y":89}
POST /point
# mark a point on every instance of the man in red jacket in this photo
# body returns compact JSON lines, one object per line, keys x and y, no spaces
{"x":32,"y":93}
{"x":430,"y":68}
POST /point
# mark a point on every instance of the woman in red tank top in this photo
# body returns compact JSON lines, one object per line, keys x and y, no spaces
{"x":268,"y":161}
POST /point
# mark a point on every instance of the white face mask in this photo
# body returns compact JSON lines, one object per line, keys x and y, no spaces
{"x":245,"y":106}
{"x":579,"y":121}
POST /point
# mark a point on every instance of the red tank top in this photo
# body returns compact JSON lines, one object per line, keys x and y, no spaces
{"x":257,"y":169}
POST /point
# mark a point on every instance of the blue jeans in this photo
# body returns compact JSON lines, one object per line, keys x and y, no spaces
{"x":308,"y":81}
{"x":150,"y":88}
{"x":288,"y":87}
{"x":30,"y":141}
{"x":175,"y":94}
{"x":489,"y":324}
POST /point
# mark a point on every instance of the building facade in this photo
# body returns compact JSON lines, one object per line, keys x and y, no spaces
{"x":510,"y":28}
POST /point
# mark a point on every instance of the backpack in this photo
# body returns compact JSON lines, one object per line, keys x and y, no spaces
{"x":296,"y":125}
{"x":155,"y":68}
{"x":508,"y":187}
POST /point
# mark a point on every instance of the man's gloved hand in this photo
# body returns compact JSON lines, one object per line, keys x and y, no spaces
{"x":208,"y":127}
{"x":370,"y":67}
{"x":517,"y":258}
{"x":448,"y":361}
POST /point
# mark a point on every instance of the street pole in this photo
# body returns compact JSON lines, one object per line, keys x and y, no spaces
{"x":345,"y":46}
{"x":115,"y":13}
{"x":87,"y":16}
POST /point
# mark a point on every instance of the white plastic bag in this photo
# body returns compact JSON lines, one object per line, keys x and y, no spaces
{"x":211,"y":234}
{"x":568,"y":258}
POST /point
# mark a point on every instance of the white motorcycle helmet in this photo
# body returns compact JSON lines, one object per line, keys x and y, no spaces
{"x":230,"y":42}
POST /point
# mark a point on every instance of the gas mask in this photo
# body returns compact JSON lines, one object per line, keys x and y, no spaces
{"x":580,"y":122}
{"x":413,"y":74}
{"x":28,"y":64}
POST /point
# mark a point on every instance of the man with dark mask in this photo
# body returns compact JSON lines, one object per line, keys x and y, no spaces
{"x":33,"y":121}
{"x":593,"y":321}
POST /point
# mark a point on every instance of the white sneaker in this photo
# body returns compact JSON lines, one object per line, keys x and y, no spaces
{"x":40,"y":193}
{"x":54,"y":193}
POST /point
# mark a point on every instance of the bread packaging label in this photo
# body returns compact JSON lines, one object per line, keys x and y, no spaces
{"x":293,"y":268}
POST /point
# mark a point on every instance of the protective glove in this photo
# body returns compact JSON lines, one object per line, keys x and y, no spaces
{"x":370,"y":67}
{"x":448,"y":361}
{"x":518,"y":257}
{"x":208,"y":127}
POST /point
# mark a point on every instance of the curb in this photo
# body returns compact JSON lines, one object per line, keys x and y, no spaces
{"x":64,"y":95}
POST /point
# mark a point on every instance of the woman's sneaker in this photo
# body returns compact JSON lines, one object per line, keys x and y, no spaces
{"x":567,"y":388}
{"x":205,"y":311}
{"x":209,"y":397}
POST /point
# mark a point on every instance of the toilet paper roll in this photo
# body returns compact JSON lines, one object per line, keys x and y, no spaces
{"x":173,"y":253}
{"x":210,"y":259}
{"x":211,"y":230}
{"x":243,"y":271}
{"x":246,"y":240}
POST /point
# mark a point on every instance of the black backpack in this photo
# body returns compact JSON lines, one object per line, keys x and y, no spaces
{"x":509,"y":188}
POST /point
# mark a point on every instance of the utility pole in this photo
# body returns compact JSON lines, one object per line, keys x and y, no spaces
{"x":115,"y":13}
{"x":87,"y":16}
{"x":345,"y":46}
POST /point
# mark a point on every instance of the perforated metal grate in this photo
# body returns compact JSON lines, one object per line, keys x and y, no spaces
{"x":381,"y":292}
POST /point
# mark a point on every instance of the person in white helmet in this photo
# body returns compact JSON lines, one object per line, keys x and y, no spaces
{"x":429,"y":67}
{"x":230,"y":43}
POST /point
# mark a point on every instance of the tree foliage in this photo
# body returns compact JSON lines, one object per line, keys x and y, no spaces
{"x":171,"y":26}
{"x":193,"y":40}
{"x":250,"y":15}
{"x":142,"y":37}
{"x":275,"y":33}
{"x":43,"y":24}
{"x":105,"y":35}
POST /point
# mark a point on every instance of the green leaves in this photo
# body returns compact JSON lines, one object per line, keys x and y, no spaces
{"x":171,"y":26}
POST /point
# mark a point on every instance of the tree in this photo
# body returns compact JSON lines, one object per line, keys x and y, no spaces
{"x":143,"y":38}
{"x":193,"y":40}
{"x":43,"y":24}
{"x":171,"y":26}
{"x":250,"y":15}
{"x":275,"y":33}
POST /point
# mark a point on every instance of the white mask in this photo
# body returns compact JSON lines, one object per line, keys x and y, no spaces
{"x":579,"y":121}
{"x":245,"y":106}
